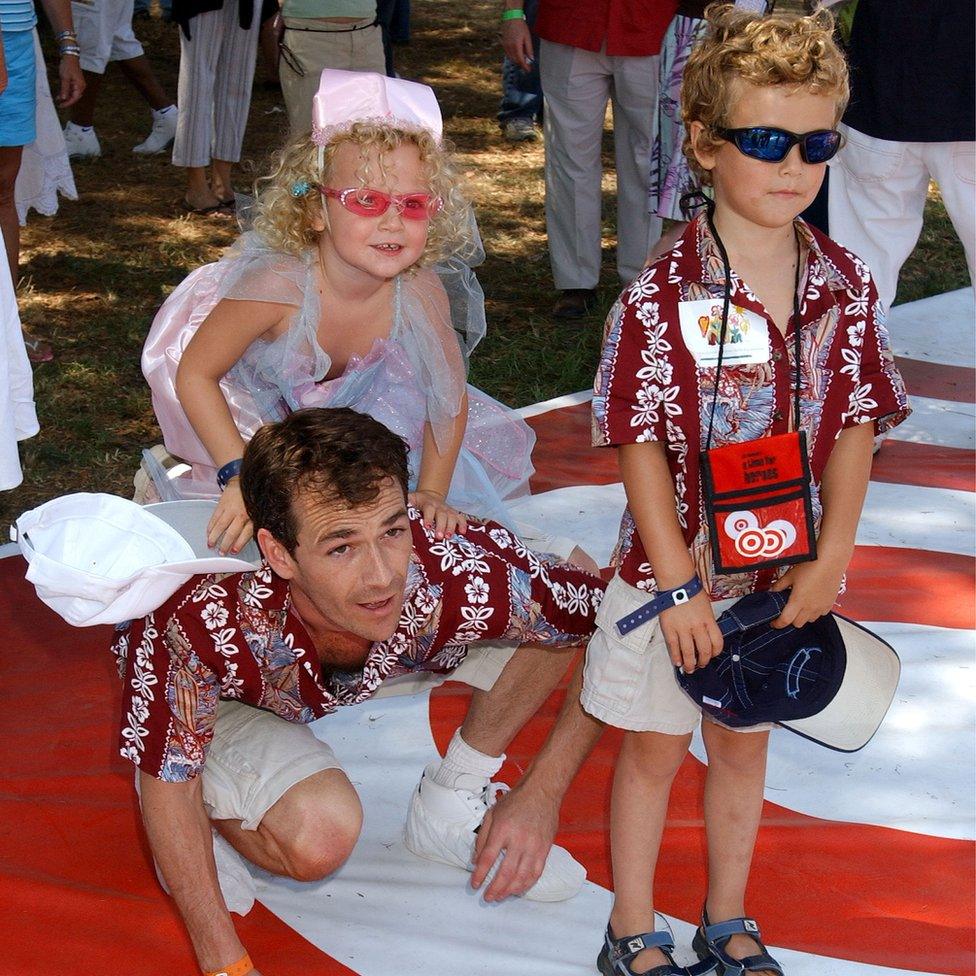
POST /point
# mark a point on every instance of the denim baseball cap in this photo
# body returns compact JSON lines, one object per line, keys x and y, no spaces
{"x":831,"y":680}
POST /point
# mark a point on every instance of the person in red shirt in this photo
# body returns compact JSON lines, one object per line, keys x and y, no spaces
{"x":805,"y":351}
{"x":592,"y":52}
{"x":357,"y":596}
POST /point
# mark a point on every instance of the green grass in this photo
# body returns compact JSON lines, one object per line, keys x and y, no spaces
{"x":93,"y":276}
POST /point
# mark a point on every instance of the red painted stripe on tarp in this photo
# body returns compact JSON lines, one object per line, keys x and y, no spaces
{"x":848,"y":891}
{"x":937,"y":380}
{"x":77,"y":889}
{"x":563,"y":456}
{"x":915,"y":586}
{"x":925,"y":466}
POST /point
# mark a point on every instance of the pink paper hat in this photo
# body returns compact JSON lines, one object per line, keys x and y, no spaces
{"x":346,"y":97}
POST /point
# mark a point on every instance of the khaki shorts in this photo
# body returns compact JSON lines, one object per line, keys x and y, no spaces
{"x":256,"y":757}
{"x":628,"y":680}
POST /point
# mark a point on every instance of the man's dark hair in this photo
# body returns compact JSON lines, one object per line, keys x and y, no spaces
{"x":331,"y":453}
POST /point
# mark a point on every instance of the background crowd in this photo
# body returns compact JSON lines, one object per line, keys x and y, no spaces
{"x":96,"y":275}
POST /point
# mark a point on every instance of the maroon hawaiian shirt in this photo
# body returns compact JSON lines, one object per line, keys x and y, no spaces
{"x":649,"y":386}
{"x":234,"y":636}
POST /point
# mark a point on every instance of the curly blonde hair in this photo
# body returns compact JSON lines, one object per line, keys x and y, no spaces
{"x":285,"y":221}
{"x":781,"y":49}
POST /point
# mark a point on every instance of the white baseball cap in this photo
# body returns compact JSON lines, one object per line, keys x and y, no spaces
{"x":101,"y":559}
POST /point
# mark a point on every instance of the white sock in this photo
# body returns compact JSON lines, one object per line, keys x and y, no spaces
{"x":80,"y":128}
{"x":464,"y":767}
{"x":160,"y":112}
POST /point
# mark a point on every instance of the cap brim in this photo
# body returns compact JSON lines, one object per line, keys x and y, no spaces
{"x":190,"y":517}
{"x":854,"y":714}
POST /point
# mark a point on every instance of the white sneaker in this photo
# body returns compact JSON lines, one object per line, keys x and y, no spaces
{"x":237,"y":885}
{"x":441,"y":825}
{"x":162,"y":134}
{"x":81,"y":143}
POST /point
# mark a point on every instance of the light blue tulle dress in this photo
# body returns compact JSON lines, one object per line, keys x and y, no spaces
{"x":416,"y":374}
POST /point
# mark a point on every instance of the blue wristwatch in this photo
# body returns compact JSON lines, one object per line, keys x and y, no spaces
{"x":663,"y":601}
{"x":230,"y":470}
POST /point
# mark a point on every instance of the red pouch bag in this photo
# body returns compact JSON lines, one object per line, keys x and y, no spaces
{"x":757,"y":502}
{"x":757,"y":493}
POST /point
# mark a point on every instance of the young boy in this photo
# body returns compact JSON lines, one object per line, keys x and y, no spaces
{"x":751,"y":87}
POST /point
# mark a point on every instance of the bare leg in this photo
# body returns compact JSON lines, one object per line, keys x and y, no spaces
{"x":268,"y":46}
{"x":9,"y":168}
{"x":527,"y":681}
{"x":221,"y":182}
{"x":642,"y":781}
{"x":308,"y":833}
{"x":83,"y":111}
{"x":139,"y":73}
{"x":198,"y":192}
{"x":733,"y":808}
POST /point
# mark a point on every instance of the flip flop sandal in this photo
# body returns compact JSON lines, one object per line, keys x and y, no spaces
{"x":217,"y":209}
{"x":38,"y":350}
{"x":615,"y":956}
{"x":710,"y":942}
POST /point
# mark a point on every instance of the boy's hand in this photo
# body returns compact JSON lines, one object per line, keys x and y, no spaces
{"x":814,"y":592}
{"x":691,"y":633}
{"x":229,"y":525}
{"x":437,"y":514}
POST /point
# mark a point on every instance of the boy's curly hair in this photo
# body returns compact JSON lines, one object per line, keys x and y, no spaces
{"x":780,"y":49}
{"x":285,"y":221}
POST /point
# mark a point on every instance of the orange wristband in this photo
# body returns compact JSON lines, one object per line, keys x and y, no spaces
{"x":240,"y":968}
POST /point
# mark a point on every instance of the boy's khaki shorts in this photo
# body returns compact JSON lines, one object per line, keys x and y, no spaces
{"x":256,"y":757}
{"x":629,"y":681}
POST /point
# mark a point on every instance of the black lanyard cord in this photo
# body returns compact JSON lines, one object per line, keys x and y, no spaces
{"x":726,"y":301}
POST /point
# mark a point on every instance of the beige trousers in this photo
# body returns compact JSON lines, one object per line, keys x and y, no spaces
{"x":307,"y":49}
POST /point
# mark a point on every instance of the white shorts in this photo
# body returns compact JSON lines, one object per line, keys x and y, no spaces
{"x":256,"y":757}
{"x":104,"y":29}
{"x":629,"y":680}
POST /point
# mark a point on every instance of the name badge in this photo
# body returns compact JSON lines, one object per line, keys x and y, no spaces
{"x":746,"y":334}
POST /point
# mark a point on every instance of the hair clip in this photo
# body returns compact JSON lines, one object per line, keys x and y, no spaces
{"x":300,"y":187}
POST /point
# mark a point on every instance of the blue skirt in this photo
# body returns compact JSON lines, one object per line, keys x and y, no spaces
{"x":18,"y":108}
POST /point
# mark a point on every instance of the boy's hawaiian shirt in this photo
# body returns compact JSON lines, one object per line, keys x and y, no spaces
{"x":650,"y":388}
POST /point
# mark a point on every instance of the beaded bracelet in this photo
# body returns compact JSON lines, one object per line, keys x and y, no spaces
{"x":66,"y":35}
{"x":71,"y":49}
{"x":515,"y":13}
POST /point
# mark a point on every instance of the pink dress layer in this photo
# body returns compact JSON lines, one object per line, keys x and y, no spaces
{"x":415,"y":375}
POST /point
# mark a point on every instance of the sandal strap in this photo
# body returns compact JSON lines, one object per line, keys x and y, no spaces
{"x":733,"y":926}
{"x":628,"y":947}
{"x":758,"y":964}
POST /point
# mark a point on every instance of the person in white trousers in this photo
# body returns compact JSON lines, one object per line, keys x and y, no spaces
{"x":910,"y":121}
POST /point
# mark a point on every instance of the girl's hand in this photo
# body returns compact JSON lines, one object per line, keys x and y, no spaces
{"x":229,"y":526}
{"x":437,"y":514}
{"x":814,"y":592}
{"x":691,"y":633}
{"x":71,"y":81}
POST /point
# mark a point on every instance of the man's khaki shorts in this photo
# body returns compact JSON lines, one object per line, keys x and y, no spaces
{"x":629,"y":680}
{"x":256,"y":757}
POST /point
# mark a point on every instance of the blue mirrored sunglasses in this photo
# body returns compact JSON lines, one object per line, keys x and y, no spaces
{"x":772,"y":145}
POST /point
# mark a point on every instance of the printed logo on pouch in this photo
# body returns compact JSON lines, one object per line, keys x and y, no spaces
{"x":754,"y":541}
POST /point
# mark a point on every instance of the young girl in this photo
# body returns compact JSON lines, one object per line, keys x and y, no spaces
{"x":352,"y":290}
{"x":761,"y":98}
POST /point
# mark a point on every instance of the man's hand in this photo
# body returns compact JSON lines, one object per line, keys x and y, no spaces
{"x":521,"y":826}
{"x":71,"y":81}
{"x":814,"y":591}
{"x":437,"y":514}
{"x":517,"y":42}
{"x":692,"y":635}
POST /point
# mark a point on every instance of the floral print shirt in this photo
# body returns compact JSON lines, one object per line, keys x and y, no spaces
{"x":235,"y":636}
{"x":649,"y":386}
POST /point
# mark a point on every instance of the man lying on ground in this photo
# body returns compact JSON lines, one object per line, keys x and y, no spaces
{"x":355,"y":596}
